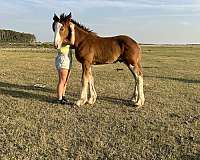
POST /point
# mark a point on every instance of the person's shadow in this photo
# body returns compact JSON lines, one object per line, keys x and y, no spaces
{"x":23,"y":91}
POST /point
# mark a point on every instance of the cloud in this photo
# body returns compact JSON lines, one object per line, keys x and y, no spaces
{"x":104,"y":15}
{"x":166,"y":7}
{"x":176,"y":4}
{"x":185,"y":23}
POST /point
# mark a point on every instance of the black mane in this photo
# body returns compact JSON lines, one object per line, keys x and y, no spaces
{"x":83,"y":27}
{"x":63,"y":17}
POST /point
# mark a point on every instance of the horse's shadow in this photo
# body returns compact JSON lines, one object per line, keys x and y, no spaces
{"x":175,"y":79}
{"x":114,"y":100}
{"x":26,"y":92}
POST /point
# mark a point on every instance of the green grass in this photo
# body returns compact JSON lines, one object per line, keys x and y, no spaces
{"x":167,"y":127}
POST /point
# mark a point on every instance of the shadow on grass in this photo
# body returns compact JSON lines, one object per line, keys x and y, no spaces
{"x":22,"y":91}
{"x":117,"y":101}
{"x":24,"y":94}
{"x":25,"y":87}
{"x":149,"y":67}
{"x":176,"y":79}
{"x":191,"y":157}
{"x":114,"y":100}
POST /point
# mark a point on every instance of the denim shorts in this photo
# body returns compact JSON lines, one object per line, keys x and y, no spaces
{"x":63,"y":60}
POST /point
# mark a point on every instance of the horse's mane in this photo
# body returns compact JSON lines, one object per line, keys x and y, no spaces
{"x":63,"y":17}
{"x":83,"y":27}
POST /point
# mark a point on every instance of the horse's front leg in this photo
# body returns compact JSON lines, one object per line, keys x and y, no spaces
{"x":93,"y":94}
{"x":85,"y":80}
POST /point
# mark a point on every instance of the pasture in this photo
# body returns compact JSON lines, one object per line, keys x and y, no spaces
{"x":167,"y":127}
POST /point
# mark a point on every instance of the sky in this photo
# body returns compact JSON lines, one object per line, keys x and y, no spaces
{"x":146,"y":21}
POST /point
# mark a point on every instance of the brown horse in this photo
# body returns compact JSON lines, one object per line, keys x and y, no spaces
{"x":91,"y":49}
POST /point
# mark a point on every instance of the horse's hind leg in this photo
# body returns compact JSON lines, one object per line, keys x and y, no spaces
{"x":135,"y":93}
{"x":93,"y":94}
{"x":138,"y":96}
{"x":85,"y":80}
{"x":140,"y":84}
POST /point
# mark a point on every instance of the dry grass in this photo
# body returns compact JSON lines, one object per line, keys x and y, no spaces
{"x":167,"y":127}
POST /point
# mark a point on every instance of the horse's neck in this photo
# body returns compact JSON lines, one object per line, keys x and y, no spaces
{"x":79,"y":35}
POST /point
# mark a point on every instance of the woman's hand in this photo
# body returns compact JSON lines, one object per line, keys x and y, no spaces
{"x":71,"y":25}
{"x":72,"y":39}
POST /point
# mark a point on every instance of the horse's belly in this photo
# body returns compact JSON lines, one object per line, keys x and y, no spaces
{"x":105,"y":59}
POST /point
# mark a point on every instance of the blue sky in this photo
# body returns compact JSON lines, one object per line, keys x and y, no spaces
{"x":146,"y":21}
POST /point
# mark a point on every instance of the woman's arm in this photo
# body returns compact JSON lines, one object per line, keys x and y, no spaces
{"x":72,"y":39}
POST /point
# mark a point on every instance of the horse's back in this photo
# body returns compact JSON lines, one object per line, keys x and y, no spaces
{"x":126,"y":40}
{"x":121,"y":41}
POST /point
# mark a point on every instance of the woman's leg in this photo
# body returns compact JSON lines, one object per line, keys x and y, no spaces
{"x":66,"y":81}
{"x":62,"y":74}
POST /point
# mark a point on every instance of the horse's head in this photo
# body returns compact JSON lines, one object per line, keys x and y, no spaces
{"x":61,"y":29}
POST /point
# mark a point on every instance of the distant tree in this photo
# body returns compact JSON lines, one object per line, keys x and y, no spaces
{"x":16,"y":37}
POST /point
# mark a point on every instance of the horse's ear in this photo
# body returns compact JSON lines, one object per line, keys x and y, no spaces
{"x":55,"y":18}
{"x":69,"y":17}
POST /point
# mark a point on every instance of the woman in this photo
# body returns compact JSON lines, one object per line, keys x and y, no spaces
{"x":63,"y":64}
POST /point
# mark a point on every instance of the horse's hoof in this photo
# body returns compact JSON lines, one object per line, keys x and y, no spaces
{"x":139,"y":103}
{"x":91,"y":101}
{"x":133,"y":100}
{"x":80,"y":102}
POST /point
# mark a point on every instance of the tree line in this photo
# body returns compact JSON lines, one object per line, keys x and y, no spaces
{"x":16,"y":37}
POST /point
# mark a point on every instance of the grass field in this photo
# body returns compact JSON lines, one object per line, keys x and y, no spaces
{"x":167,"y":127}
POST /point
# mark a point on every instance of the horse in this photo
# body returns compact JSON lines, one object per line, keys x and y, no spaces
{"x":91,"y":49}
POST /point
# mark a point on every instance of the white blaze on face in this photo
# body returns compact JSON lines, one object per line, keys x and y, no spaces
{"x":57,"y":38}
